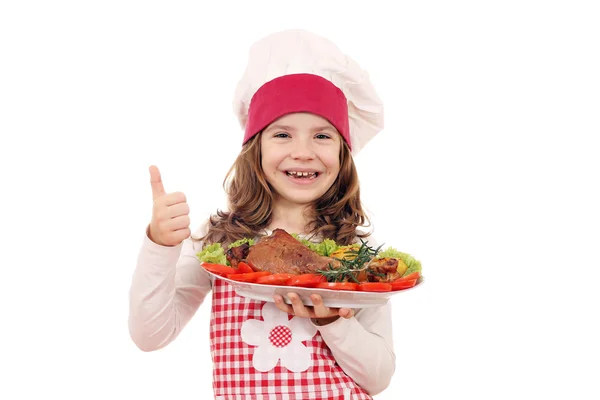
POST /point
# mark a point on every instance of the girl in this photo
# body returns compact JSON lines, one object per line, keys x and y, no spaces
{"x":306,"y":109}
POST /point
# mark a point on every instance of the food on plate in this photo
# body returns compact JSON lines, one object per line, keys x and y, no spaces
{"x":275,"y":279}
{"x":375,"y":287}
{"x":285,"y":259}
{"x":280,"y":253}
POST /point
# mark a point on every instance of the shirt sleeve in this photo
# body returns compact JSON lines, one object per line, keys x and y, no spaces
{"x":363,"y":345}
{"x":168,"y":286}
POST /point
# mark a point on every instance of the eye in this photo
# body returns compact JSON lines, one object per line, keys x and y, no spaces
{"x":281,"y":135}
{"x":322,"y":136}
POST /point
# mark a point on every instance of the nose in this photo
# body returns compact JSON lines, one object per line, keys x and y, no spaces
{"x":302,"y":151}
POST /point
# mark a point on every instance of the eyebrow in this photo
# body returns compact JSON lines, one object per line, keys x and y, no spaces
{"x":279,"y":127}
{"x":325,"y":128}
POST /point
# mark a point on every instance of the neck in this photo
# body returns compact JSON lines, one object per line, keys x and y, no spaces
{"x":290,"y":217}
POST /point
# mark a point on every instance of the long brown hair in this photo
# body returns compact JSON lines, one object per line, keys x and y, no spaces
{"x":336,"y":215}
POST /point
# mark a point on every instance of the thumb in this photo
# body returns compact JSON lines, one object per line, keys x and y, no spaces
{"x":158,"y":189}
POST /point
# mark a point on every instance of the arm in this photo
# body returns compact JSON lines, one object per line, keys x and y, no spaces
{"x":363,"y":347}
{"x":168,"y":286}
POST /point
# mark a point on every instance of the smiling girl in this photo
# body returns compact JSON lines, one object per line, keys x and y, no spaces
{"x":306,"y":110}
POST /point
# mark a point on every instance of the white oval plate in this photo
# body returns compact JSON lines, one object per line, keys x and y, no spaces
{"x":331,"y":298}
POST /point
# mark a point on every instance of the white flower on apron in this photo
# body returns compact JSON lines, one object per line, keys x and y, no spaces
{"x":279,"y":338}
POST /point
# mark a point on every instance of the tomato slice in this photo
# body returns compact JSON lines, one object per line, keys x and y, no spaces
{"x":243,"y":268}
{"x":218,"y":269}
{"x":414,"y":275}
{"x":248,"y":277}
{"x":375,"y":287}
{"x":400,"y":283}
{"x":338,"y":285}
{"x":306,"y":280}
{"x":275,"y":279}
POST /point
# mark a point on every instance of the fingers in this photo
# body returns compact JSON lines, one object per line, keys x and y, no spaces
{"x":170,"y":224}
{"x":321,"y":310}
{"x":283,"y":306}
{"x":297,"y":308}
{"x":178,"y":209}
{"x":300,"y":309}
{"x":175,"y":224}
{"x":170,"y":231}
{"x":179,"y":235}
{"x":346,"y":313}
{"x":173,"y":198}
{"x":158,"y":190}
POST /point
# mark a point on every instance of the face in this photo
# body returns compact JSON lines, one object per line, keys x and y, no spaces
{"x":300,"y":157}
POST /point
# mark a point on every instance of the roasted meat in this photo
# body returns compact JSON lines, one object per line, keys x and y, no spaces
{"x":281,"y":253}
{"x":383,"y":270}
{"x":237,"y":254}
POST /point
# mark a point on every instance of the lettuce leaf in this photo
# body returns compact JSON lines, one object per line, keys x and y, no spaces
{"x":213,"y":254}
{"x":305,"y":242}
{"x":241,"y":242}
{"x":325,"y":248}
{"x":413,"y":264}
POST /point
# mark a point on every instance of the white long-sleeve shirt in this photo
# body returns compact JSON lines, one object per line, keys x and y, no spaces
{"x":169,"y":285}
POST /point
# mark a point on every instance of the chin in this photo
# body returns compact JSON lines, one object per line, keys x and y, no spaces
{"x":302,"y":198}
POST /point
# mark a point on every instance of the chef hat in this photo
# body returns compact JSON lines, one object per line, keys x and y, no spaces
{"x":298,"y":71}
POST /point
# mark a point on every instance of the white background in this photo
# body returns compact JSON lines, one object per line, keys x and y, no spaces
{"x":487,"y":172}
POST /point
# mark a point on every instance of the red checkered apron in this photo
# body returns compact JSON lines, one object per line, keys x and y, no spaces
{"x":234,"y":374}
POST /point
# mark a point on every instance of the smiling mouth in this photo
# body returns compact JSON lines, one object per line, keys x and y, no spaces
{"x":302,"y":175}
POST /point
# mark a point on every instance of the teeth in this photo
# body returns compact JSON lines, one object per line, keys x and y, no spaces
{"x":299,"y":173}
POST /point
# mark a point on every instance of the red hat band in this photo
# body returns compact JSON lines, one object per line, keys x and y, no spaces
{"x":298,"y":93}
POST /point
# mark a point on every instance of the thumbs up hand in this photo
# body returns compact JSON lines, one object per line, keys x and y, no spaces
{"x":170,"y":223}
